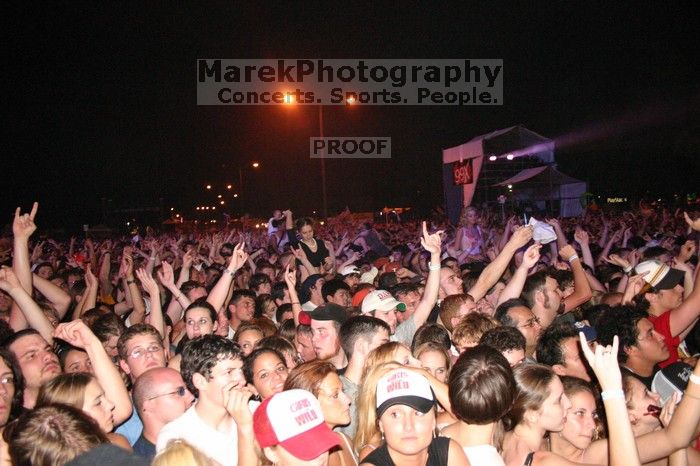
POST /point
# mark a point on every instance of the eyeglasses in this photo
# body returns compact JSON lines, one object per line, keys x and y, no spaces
{"x":530,"y":323}
{"x":138,"y":352}
{"x":181,"y":391}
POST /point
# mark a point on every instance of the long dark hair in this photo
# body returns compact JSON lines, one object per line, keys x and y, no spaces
{"x":18,"y":398}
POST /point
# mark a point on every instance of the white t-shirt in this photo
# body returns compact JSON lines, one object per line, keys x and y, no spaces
{"x":219,"y":446}
{"x":308,"y":306}
{"x":483,"y":454}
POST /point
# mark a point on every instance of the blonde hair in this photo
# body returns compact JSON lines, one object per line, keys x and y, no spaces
{"x":179,"y":452}
{"x":67,"y":389}
{"x":382,"y":354}
{"x":367,"y":426}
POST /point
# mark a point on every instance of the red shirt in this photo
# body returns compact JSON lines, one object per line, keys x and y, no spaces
{"x":662,"y":324}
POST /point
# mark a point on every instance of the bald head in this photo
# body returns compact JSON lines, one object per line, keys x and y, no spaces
{"x":160,"y":384}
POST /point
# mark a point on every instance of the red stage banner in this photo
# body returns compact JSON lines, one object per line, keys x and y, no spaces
{"x":463,"y":172}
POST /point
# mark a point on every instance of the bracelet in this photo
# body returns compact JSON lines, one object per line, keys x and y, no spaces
{"x":694,"y":378}
{"x":231,"y":274}
{"x":627,"y":269}
{"x":177,"y":298}
{"x":151,"y":259}
{"x":296,"y":302}
{"x":433,"y":266}
{"x":572,"y":258}
{"x":612,"y":394}
{"x":129,"y":282}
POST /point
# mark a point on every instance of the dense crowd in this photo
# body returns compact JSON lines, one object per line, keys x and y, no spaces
{"x":560,"y":341}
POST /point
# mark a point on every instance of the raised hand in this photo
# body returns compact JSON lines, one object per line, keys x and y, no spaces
{"x":531,"y":256}
{"x":149,"y":284}
{"x":23,"y":225}
{"x":90,"y":279}
{"x":692,"y":224}
{"x":238,"y":257}
{"x":188,"y":258}
{"x":604,"y":363}
{"x":166,"y":275}
{"x":581,"y":236}
{"x":8,"y":279}
{"x":431,"y":242}
{"x":75,"y":333}
{"x":290,"y":276}
{"x":521,"y":236}
{"x":298,"y":253}
{"x":617,"y":260}
{"x":126,"y":269}
{"x":567,"y":252}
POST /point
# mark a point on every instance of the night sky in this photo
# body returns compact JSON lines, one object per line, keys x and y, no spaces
{"x":101,"y":101}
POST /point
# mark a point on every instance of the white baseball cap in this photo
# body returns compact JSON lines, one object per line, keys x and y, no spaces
{"x":403,"y":387}
{"x":381,"y":300}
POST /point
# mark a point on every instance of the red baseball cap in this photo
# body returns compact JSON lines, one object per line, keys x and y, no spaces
{"x":294,"y":420}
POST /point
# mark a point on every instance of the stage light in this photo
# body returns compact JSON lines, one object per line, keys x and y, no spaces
{"x":509,"y":156}
{"x":172,"y":208}
{"x":222,"y":202}
{"x":208,"y":186}
{"x":228,"y":186}
{"x":197,"y":208}
{"x":219,"y":196}
{"x":256,"y":164}
{"x":213,"y":208}
{"x":493,"y":158}
{"x":235,"y":195}
{"x":350,"y":100}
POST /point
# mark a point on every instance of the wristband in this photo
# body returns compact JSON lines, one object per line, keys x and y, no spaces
{"x":129,"y":282}
{"x":296,"y":302}
{"x":433,"y":266}
{"x":572,"y":258}
{"x":627,"y":269}
{"x":612,"y":394}
{"x":232,"y":274}
{"x":694,"y":378}
{"x":151,"y":259}
{"x":177,"y":298}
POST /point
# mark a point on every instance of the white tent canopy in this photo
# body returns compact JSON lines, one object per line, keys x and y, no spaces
{"x":540,"y":184}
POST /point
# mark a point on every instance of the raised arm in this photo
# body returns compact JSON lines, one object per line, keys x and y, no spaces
{"x":179,"y":300}
{"x":431,"y":243}
{"x":33,"y":315}
{"x":218,"y":294}
{"x":621,"y":442}
{"x":515,"y":286}
{"x":22,"y":228}
{"x":79,"y":335}
{"x":689,"y":310}
{"x":151,"y":287}
{"x":581,"y":237}
{"x":55,"y":294}
{"x":582,"y":290}
{"x":290,"y":279}
{"x":490,"y":275}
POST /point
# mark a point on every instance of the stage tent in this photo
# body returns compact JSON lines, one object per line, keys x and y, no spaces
{"x":516,"y":140}
{"x":541,"y":184}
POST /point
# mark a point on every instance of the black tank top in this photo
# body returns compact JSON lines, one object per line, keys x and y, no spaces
{"x":437,"y":454}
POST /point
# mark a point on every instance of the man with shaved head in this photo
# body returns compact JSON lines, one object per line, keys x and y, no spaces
{"x":160,"y":396}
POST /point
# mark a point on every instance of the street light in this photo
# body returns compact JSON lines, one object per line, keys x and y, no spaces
{"x":288,"y":100}
{"x":240,"y":174}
